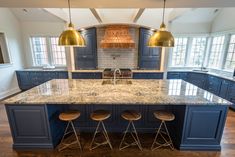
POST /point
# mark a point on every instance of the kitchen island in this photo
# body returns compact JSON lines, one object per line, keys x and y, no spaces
{"x":200,"y":115}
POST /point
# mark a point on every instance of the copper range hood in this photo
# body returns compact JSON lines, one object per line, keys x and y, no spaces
{"x":117,"y":36}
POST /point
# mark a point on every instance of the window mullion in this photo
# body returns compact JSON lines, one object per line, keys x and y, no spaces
{"x":225,"y":51}
{"x":50,"y":55}
{"x":188,"y":52}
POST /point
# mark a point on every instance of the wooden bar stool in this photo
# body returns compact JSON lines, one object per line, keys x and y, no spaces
{"x":100,"y":116}
{"x":130,"y":116}
{"x":162,"y":130}
{"x":69,"y":117}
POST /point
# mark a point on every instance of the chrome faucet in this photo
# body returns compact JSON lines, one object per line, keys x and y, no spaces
{"x":114,"y":75}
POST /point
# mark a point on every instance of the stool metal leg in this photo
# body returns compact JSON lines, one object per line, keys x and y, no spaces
{"x":66,"y":145}
{"x":104,"y":132}
{"x":160,"y":133}
{"x":134,"y":135}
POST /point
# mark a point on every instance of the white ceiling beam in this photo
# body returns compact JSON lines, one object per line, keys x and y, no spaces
{"x":138,"y":14}
{"x":97,"y":16}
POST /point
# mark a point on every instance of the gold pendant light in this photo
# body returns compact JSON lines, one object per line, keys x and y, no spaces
{"x":71,"y":37}
{"x":162,"y":38}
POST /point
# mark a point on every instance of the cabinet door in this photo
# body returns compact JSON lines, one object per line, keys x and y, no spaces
{"x":23,"y":79}
{"x":86,"y":57}
{"x":147,"y":75}
{"x":214,"y":84}
{"x":224,"y":89}
{"x":149,"y":58}
{"x":87,"y":75}
{"x":231,"y":92}
{"x":29,"y":126}
{"x":62,"y":75}
{"x":197,"y":79}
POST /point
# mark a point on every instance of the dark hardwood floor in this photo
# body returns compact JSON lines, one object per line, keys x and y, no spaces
{"x":228,"y":145}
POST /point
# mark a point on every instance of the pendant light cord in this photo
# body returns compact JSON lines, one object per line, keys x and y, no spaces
{"x":163,"y":14}
{"x":69,"y":12}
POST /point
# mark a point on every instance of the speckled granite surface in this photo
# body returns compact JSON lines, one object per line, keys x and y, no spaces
{"x":151,"y":92}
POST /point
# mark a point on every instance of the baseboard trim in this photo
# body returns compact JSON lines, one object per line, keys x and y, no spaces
{"x":33,"y":146}
{"x":200,"y":147}
{"x":9,"y":92}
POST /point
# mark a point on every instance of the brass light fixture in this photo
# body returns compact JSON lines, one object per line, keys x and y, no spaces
{"x":71,"y":37}
{"x":162,"y":38}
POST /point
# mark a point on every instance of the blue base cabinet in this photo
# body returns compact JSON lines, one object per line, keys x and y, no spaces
{"x":29,"y":126}
{"x":177,"y":75}
{"x":29,"y":79}
{"x":147,"y":75}
{"x":87,"y":75}
{"x":198,"y":79}
{"x":196,"y":127}
{"x":203,"y":127}
{"x":219,"y":86}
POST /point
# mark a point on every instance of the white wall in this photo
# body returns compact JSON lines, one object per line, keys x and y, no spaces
{"x":224,"y":21}
{"x":12,"y":29}
{"x":38,"y":29}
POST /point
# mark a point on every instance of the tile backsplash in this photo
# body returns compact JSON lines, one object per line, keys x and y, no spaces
{"x":118,"y":58}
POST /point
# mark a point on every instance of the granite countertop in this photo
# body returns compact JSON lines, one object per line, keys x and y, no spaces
{"x":149,"y":92}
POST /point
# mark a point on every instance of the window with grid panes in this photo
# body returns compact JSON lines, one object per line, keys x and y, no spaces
{"x":197,"y":51}
{"x":40,"y":51}
{"x":230,"y":59}
{"x":47,"y":52}
{"x":58,"y":52}
{"x":216,"y":51}
{"x":179,"y":52}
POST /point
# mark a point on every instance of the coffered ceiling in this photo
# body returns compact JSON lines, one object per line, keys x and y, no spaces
{"x":116,"y":3}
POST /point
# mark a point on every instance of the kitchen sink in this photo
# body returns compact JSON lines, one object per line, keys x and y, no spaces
{"x":118,"y":82}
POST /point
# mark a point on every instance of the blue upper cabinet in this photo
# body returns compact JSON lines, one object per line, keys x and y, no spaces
{"x":86,"y":57}
{"x":149,"y":58}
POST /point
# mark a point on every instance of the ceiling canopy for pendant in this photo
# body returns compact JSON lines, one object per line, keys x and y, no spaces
{"x":162,"y":38}
{"x":71,"y":37}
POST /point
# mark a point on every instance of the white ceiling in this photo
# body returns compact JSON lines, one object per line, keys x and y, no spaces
{"x":116,"y":3}
{"x":150,"y":17}
{"x":35,"y":14}
{"x":200,"y":15}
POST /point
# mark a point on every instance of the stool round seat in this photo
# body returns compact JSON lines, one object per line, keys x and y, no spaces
{"x":69,"y":116}
{"x":164,"y":116}
{"x":131,"y":115}
{"x":100,"y":115}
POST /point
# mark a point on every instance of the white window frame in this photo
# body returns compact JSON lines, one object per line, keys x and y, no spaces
{"x":50,"y":55}
{"x":171,"y":54}
{"x":221,"y":60}
{"x":188,"y":50}
{"x":226,"y":52}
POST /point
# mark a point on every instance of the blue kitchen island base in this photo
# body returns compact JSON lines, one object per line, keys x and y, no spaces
{"x":196,"y":127}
